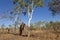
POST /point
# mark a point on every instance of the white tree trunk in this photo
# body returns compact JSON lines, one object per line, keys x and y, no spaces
{"x":16,"y":20}
{"x":29,"y":20}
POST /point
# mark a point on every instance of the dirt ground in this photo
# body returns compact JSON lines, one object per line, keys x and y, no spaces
{"x":34,"y":35}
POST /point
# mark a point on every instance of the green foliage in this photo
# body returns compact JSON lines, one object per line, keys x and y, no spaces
{"x":40,"y":3}
{"x":32,"y":27}
{"x":39,"y":24}
{"x":53,"y":25}
{"x":14,"y":1}
{"x":24,"y":13}
{"x":21,"y":2}
{"x":54,"y":6}
{"x":16,"y":7}
{"x":29,"y":2}
{"x":11,"y":12}
{"x":20,"y":5}
{"x":47,"y":25}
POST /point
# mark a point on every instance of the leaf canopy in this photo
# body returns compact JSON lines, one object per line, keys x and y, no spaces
{"x":28,"y":3}
{"x":54,"y":6}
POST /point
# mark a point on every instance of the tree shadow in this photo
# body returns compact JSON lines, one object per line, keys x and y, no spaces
{"x":24,"y":35}
{"x":21,"y":35}
{"x":15,"y":34}
{"x":32,"y":36}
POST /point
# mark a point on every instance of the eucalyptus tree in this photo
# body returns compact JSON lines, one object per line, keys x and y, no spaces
{"x":54,"y":6}
{"x":8,"y":16}
{"x":18,"y":9}
{"x":29,"y":6}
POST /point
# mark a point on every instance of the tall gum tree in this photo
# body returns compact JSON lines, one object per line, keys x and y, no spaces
{"x":17,"y":10}
{"x":29,"y":6}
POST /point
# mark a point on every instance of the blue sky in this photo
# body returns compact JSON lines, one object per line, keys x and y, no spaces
{"x":40,"y":14}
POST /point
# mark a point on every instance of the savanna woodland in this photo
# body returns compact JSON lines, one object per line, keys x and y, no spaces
{"x":29,"y":19}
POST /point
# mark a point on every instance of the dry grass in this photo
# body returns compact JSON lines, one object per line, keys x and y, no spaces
{"x":35,"y":35}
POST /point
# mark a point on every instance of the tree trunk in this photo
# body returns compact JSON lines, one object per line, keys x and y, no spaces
{"x":29,"y":20}
{"x":28,"y":24}
{"x":16,"y":22}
